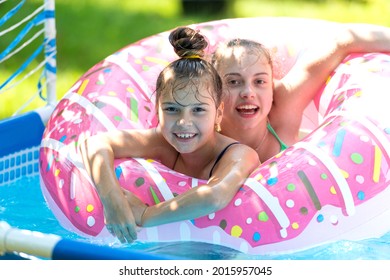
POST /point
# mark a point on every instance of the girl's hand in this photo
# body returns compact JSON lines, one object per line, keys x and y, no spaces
{"x":137,"y":206}
{"x":119,"y":218}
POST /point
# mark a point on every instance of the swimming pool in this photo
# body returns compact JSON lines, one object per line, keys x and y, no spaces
{"x":23,"y":206}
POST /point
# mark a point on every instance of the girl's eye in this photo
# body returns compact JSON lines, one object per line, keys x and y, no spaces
{"x":260,"y":82}
{"x":198,"y":109}
{"x":170,"y":109}
{"x":231,"y":82}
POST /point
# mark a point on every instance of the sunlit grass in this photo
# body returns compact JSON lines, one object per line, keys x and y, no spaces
{"x":90,"y":30}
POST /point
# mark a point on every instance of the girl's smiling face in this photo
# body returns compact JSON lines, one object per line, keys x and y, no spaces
{"x":188,"y":116}
{"x":248,"y":88}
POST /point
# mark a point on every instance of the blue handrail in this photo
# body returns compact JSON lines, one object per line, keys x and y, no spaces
{"x":54,"y":247}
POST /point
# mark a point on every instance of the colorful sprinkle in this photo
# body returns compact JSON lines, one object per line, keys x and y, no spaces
{"x":100,"y":80}
{"x":90,"y":208}
{"x":332,"y":190}
{"x":77,"y":209}
{"x":377,"y":164}
{"x":295,"y":225}
{"x":133,"y":110}
{"x":359,"y":179}
{"x":61,"y":183}
{"x":358,"y":93}
{"x":236,"y":231}
{"x":100,"y":104}
{"x":154,"y":195}
{"x":338,"y":143}
{"x":303,"y":211}
{"x":256,"y":237}
{"x":361,"y":195}
{"x":344,"y":173}
{"x":321,"y":144}
{"x":118,"y":172}
{"x":83,"y":86}
{"x":156,"y":60}
{"x":237,"y":202}
{"x":211,"y":216}
{"x":118,"y":118}
{"x":263,"y":216}
{"x":290,"y":203}
{"x":291,"y":187}
{"x":320,"y":218}
{"x":278,"y":155}
{"x":258,"y":177}
{"x":90,"y":221}
{"x":57,"y":172}
{"x":357,"y":158}
{"x":223,"y":224}
{"x":182,"y":183}
{"x":139,"y":182}
{"x":310,"y":189}
{"x":249,"y":220}
{"x":272,"y":181}
{"x":324,"y":176}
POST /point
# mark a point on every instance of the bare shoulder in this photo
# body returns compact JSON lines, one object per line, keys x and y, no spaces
{"x":242,"y":154}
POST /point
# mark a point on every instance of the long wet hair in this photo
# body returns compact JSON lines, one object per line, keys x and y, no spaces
{"x":191,"y":69}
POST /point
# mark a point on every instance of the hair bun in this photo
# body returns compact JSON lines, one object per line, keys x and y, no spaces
{"x":187,"y":42}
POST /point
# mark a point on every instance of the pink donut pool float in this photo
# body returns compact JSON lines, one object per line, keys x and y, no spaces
{"x":332,"y":185}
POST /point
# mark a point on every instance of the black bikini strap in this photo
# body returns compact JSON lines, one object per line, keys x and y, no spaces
{"x":220,"y":156}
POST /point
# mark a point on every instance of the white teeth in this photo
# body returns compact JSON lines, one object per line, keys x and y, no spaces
{"x":185,"y":135}
{"x":247,"y":107}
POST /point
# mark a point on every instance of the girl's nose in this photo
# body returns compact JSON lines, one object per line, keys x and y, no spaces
{"x":184,"y":120}
{"x":247,"y":92}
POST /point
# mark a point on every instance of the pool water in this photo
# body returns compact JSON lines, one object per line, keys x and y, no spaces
{"x":23,"y":206}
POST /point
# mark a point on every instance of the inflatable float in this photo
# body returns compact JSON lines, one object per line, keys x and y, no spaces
{"x":332,"y":185}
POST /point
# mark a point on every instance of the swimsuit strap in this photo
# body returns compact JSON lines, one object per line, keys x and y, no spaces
{"x":220,"y":156}
{"x":283,"y":146}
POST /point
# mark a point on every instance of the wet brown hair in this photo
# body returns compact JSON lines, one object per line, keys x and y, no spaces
{"x":191,"y":69}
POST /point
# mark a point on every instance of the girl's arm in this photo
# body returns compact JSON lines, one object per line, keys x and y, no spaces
{"x":229,"y":175}
{"x":325,"y":52}
{"x":98,"y":154}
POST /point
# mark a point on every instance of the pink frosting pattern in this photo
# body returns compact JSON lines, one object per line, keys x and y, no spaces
{"x":331,"y":185}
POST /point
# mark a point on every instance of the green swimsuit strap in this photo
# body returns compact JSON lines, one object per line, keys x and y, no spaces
{"x":283,"y":146}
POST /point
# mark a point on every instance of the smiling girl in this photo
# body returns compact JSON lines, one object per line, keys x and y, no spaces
{"x":265,"y":113}
{"x":190,"y":109}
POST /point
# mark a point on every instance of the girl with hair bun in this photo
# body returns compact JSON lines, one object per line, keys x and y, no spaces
{"x":187,"y":140}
